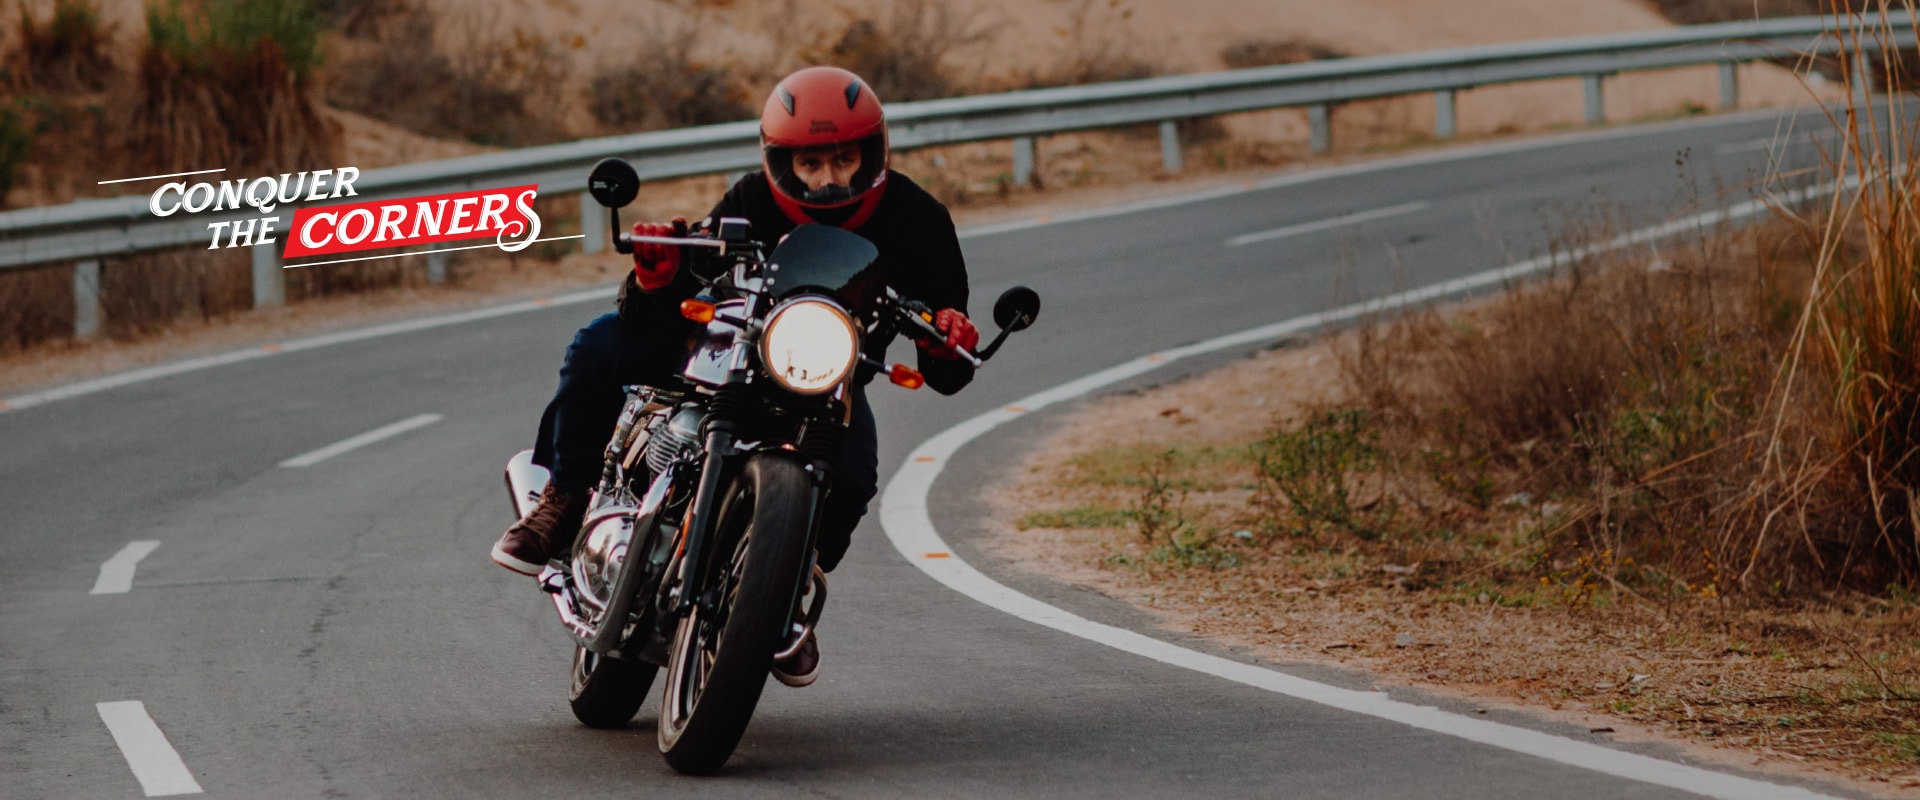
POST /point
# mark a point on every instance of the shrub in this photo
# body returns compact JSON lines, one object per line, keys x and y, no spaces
{"x":909,"y":53}
{"x":669,"y":87}
{"x":1268,"y":52}
{"x":1636,"y":401}
{"x":141,"y":294}
{"x":1096,"y":46}
{"x":359,"y":17}
{"x":496,"y":89}
{"x":1316,"y":465}
{"x":67,"y":52}
{"x":16,"y":142}
{"x":229,"y":83}
{"x":39,"y":303}
{"x":1699,"y":12}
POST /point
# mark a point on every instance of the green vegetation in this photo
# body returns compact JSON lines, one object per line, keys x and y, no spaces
{"x":230,"y":82}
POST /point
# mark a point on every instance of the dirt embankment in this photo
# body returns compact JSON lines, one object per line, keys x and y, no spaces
{"x":982,"y":45}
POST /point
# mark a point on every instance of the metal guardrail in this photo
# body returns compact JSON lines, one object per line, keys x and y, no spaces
{"x":86,"y":231}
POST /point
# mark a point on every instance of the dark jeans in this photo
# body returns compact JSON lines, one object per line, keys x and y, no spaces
{"x":610,"y":353}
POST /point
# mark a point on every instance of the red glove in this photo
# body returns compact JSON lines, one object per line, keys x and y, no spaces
{"x":960,"y":334}
{"x":654,"y":265}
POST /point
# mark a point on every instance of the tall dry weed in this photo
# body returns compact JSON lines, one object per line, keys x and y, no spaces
{"x":1739,"y":413}
{"x":1861,"y":339}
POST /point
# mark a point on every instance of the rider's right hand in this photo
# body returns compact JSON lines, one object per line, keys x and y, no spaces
{"x":655,"y":265}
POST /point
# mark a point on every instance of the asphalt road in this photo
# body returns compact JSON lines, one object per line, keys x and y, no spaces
{"x":336,"y":630}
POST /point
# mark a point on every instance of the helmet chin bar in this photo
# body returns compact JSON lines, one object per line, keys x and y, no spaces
{"x":828,"y":194}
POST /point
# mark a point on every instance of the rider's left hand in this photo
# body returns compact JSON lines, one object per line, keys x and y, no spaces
{"x":960,"y":333}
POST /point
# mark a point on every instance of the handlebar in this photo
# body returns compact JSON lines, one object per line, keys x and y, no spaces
{"x":917,"y":315}
{"x":717,"y":244}
{"x":913,"y":312}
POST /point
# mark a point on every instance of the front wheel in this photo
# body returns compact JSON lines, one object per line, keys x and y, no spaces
{"x":720,"y":660}
{"x":607,"y":691}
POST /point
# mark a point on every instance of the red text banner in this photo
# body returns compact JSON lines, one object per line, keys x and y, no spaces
{"x":505,"y":214}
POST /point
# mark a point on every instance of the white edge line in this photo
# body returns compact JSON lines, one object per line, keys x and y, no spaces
{"x":1462,"y":153}
{"x":357,"y":442}
{"x":1774,"y":144}
{"x":1329,"y":223}
{"x":904,"y":517}
{"x":155,"y":177}
{"x":116,"y":573}
{"x":153,"y":760}
{"x":427,"y":251}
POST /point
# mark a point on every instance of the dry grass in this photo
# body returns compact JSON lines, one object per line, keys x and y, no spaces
{"x":1677,"y":490}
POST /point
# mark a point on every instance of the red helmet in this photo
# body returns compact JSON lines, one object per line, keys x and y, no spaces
{"x":822,"y":107}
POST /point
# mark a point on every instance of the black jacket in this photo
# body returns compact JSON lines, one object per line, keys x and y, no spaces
{"x":919,"y":257}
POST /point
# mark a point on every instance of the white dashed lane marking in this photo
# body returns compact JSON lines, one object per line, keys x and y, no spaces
{"x":151,"y":757}
{"x":375,"y":435}
{"x":116,"y":575}
{"x":1329,"y":224}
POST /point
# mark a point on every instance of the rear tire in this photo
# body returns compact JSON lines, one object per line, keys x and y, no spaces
{"x":719,"y":666}
{"x":606,"y":692}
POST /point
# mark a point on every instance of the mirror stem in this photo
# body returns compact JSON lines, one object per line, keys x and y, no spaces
{"x":620,"y":246}
{"x":994,"y":345}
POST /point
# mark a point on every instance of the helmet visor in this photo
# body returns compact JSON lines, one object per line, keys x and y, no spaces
{"x":827,"y":176}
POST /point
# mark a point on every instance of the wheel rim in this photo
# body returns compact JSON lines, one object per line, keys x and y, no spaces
{"x":695,"y":646}
{"x":584,"y":663}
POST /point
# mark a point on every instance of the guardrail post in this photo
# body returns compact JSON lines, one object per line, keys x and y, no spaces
{"x":1170,"y":146}
{"x":436,"y":265}
{"x":595,"y":233}
{"x":86,"y":299}
{"x":1022,"y":160}
{"x":1444,"y":126}
{"x":269,"y":278}
{"x":1729,"y":85}
{"x":1596,"y":100}
{"x":1321,"y":137}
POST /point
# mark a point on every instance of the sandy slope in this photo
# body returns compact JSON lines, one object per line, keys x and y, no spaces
{"x":1178,"y":36}
{"x":1027,"y":35}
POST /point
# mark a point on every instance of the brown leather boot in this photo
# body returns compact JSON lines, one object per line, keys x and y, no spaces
{"x":549,"y":528}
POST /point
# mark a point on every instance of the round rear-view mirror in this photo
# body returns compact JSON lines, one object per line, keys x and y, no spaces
{"x":1016,"y":308}
{"x":613,"y":183}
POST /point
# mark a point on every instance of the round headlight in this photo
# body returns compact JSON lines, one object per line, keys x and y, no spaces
{"x":809,"y":345}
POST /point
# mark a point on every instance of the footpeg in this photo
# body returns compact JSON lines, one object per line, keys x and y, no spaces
{"x":552,"y":580}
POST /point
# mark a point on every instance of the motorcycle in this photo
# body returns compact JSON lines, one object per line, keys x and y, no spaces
{"x":696,"y":554}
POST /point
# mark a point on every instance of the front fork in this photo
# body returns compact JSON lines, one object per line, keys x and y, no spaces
{"x":693,"y":561}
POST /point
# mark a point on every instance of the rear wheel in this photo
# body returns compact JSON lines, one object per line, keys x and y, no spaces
{"x":607,"y":691}
{"x":720,"y":660}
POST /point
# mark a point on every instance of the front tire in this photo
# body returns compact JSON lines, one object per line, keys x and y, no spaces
{"x":720,"y":664}
{"x":606,"y":692}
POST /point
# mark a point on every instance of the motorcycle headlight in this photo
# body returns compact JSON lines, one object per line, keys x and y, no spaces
{"x":809,"y":345}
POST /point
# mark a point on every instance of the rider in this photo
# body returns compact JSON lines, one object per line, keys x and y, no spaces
{"x":823,"y":143}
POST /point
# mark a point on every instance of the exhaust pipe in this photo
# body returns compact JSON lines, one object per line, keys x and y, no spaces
{"x":525,"y":481}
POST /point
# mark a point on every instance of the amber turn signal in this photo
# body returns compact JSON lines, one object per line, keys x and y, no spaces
{"x":699,"y":311}
{"x":903,"y":375}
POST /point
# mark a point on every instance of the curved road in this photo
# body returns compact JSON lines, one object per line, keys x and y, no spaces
{"x":336,"y":630}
